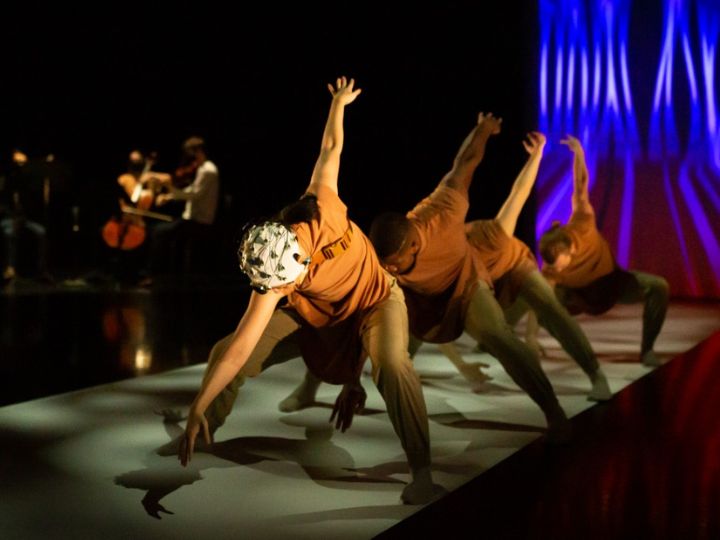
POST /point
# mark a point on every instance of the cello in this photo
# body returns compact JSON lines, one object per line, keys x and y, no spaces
{"x":128,"y":232}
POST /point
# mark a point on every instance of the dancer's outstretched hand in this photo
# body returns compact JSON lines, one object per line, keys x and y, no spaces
{"x":573,"y":144}
{"x":350,"y":400}
{"x":344,"y":92}
{"x":195,"y":421}
{"x":534,"y":142}
{"x":491,"y":123}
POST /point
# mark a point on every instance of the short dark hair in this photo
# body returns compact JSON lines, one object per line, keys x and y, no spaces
{"x":304,"y":210}
{"x":194,"y":143}
{"x":553,"y":241}
{"x":388,"y":233}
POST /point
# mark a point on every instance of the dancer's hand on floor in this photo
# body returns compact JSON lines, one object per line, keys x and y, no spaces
{"x":350,"y":400}
{"x":195,"y":421}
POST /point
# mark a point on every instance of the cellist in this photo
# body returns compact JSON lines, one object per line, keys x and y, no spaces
{"x":127,"y":231}
{"x":138,"y":195}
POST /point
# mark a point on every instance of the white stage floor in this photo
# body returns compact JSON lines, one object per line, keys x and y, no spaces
{"x":85,"y":464}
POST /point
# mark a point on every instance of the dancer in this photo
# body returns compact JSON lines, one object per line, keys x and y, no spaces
{"x":341,"y":308}
{"x":578,"y":261}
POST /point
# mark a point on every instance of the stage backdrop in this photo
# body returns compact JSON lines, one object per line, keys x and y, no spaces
{"x":635,"y":81}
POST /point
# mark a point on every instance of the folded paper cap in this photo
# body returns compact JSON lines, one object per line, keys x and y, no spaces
{"x":270,"y":256}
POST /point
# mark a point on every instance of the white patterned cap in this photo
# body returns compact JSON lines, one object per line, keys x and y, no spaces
{"x":268,"y":256}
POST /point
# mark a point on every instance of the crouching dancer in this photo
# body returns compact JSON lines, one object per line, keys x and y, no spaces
{"x":342,"y":306}
{"x":578,"y":261}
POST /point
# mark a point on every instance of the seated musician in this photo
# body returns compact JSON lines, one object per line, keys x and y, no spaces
{"x":127,"y":230}
{"x":171,"y":241}
{"x":21,"y":211}
{"x":134,"y":193}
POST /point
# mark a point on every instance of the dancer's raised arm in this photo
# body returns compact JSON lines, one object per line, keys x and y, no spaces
{"x":327,"y":165}
{"x":507,"y":216}
{"x":471,"y":152}
{"x":581,"y":177}
{"x":248,"y":332}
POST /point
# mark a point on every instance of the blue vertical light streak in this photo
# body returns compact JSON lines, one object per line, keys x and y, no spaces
{"x":690,"y":70}
{"x":558,"y":77}
{"x":597,"y":77}
{"x":626,"y":211}
{"x":708,"y":62}
{"x":677,"y":222}
{"x":702,"y":224}
{"x":543,"y":82}
{"x":709,"y":187}
{"x":585,"y":85}
{"x":625,"y":78}
{"x":611,"y":100}
{"x":570,"y":93}
{"x":708,"y":19}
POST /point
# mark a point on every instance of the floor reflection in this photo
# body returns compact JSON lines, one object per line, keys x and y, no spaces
{"x":53,"y":342}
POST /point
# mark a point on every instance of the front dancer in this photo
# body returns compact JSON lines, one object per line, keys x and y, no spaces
{"x":341,"y":307}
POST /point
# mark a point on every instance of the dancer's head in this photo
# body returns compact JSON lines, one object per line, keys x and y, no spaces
{"x":269,"y":251}
{"x":556,"y":247}
{"x":396,"y":242}
{"x":270,"y":256}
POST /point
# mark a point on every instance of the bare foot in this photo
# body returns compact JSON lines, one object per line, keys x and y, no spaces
{"x":559,"y":430}
{"x":421,"y":489}
{"x":649,"y":359}
{"x":303,"y":396}
{"x":600,"y":387}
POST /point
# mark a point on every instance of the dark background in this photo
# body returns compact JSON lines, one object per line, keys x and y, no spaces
{"x":88,"y":84}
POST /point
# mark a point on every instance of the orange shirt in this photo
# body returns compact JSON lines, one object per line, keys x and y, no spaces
{"x":336,"y":293}
{"x":336,"y":288}
{"x":439,"y":286}
{"x":593,"y":258}
{"x":508,"y":260}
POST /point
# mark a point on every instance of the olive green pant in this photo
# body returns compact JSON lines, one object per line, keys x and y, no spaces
{"x":485,"y":322}
{"x":536,"y":293}
{"x":653,"y":291}
{"x":384,"y":334}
